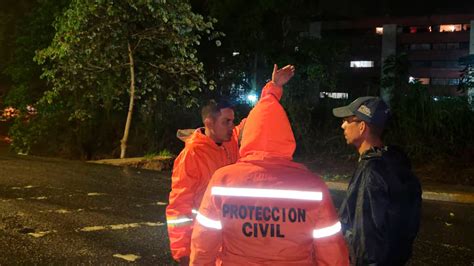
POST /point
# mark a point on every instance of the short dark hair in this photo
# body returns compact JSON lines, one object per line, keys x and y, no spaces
{"x":213,"y":108}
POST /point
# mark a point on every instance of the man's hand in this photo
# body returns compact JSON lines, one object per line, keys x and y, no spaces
{"x":281,"y":76}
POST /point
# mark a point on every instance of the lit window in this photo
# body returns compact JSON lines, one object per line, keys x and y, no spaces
{"x":379,"y":30}
{"x":362,"y":64}
{"x":450,"y":27}
{"x":424,"y":81}
{"x":334,"y":95}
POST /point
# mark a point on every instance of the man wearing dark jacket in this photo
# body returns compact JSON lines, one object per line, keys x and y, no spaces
{"x":380,"y":215}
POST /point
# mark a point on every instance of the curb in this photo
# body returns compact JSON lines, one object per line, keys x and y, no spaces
{"x":157,"y":163}
{"x":451,"y":196}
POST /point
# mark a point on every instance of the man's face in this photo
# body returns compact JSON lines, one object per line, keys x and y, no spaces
{"x":222,"y":126}
{"x":352,"y":130}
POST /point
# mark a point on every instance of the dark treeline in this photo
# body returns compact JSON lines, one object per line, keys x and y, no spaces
{"x":70,"y":60}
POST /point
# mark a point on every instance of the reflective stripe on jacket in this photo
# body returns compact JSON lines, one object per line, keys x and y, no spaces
{"x":266,"y":209}
{"x":192,"y":170}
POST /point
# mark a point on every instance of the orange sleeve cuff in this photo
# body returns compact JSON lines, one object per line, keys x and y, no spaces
{"x":273,"y":89}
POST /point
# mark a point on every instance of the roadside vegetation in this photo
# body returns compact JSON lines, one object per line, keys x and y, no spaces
{"x":96,"y":79}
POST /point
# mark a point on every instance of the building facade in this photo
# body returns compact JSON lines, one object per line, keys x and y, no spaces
{"x":433,"y":46}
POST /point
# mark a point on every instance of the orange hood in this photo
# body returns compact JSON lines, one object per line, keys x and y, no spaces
{"x":267,"y":130}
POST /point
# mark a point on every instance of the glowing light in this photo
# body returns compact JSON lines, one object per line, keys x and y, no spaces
{"x":379,"y":30}
{"x":235,"y":53}
{"x":362,"y":64}
{"x":334,"y":95}
{"x":252,"y":98}
{"x":450,"y":27}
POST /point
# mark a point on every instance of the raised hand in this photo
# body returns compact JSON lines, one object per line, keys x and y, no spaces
{"x":281,"y":76}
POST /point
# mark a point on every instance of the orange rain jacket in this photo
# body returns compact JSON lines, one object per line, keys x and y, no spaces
{"x":266,"y":209}
{"x":192,"y":170}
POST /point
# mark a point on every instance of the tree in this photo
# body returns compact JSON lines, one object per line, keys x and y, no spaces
{"x":394,"y":79}
{"x":11,"y":12}
{"x":102,"y":45}
{"x":260,"y":33}
{"x":35,"y":32}
{"x":466,"y":84}
{"x":256,"y":34}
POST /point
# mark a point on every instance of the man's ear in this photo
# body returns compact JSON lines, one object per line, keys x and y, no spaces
{"x":208,"y":122}
{"x":362,"y":127}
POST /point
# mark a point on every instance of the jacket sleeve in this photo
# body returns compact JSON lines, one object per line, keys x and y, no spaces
{"x":374,"y":223}
{"x":273,"y":89}
{"x":239,"y":130}
{"x":207,"y":236}
{"x":329,"y":244}
{"x":179,"y":212}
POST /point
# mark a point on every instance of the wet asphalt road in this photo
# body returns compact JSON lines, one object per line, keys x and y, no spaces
{"x":61,"y":212}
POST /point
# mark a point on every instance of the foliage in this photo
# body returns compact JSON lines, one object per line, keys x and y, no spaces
{"x":424,"y":125}
{"x":319,"y":68}
{"x":35,"y":32}
{"x":466,"y":84}
{"x":395,"y":76}
{"x":11,"y":13}
{"x":428,"y":127}
{"x":87,"y":66}
{"x":256,"y":34}
{"x":162,"y":153}
{"x":265,"y":34}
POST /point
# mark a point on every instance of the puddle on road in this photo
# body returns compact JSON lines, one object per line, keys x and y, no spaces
{"x":61,"y":211}
{"x":41,"y":234}
{"x":96,"y":194}
{"x":18,"y":188}
{"x":127,"y":257}
{"x":118,"y":226}
{"x":39,"y":198}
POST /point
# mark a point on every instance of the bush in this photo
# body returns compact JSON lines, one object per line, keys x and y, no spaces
{"x":431,"y":127}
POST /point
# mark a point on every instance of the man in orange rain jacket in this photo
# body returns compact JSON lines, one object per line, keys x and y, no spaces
{"x":267,"y":209}
{"x":208,"y":148}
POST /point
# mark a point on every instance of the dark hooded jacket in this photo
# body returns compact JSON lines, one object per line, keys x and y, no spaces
{"x":381,"y":211}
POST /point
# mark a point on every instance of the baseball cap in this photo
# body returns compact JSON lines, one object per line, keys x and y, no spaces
{"x":372,"y":110}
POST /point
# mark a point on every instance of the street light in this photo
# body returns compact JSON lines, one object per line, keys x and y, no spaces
{"x":252,"y":98}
